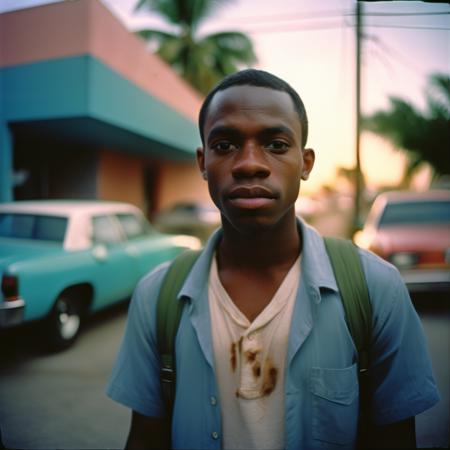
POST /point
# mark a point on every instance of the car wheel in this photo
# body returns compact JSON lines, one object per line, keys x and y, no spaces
{"x":64,"y":322}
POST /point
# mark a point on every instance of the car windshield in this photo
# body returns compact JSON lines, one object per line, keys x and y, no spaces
{"x":134,"y":226}
{"x":416,"y":213}
{"x":31,"y":226}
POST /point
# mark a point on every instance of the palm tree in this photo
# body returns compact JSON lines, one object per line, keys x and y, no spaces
{"x":201,"y":61}
{"x":425,"y":136}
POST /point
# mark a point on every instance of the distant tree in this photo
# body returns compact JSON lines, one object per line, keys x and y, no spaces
{"x":424,"y":136}
{"x":201,"y":61}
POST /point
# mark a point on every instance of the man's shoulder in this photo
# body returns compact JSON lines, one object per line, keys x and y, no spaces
{"x":377,"y":267}
{"x":384,"y":283}
{"x":145,"y":297}
{"x":379,"y":273}
{"x":151,"y":282}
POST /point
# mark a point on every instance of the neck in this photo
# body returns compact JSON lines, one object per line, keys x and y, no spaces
{"x":262,"y":247}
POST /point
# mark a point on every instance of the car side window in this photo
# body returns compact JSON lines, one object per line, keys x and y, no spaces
{"x":105,"y":230}
{"x":17,"y":225}
{"x":133,"y":226}
{"x":31,"y":226}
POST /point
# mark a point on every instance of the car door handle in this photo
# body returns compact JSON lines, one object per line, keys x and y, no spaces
{"x":100,"y":253}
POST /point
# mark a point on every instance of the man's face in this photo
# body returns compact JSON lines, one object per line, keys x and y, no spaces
{"x":253,"y":159}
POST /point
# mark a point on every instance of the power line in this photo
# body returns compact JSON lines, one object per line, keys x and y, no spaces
{"x":322,"y":14}
{"x":409,"y":27}
{"x":295,"y":28}
{"x":386,"y":14}
{"x":326,"y":14}
{"x":289,"y":22}
{"x":281,"y":22}
{"x":381,"y":57}
{"x":391,"y":52}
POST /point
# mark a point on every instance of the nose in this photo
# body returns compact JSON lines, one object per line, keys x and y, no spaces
{"x":250,"y":161}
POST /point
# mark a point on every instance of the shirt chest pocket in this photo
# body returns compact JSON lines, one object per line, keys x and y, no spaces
{"x":335,"y":404}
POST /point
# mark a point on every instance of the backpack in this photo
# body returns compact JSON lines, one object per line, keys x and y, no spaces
{"x":344,"y":258}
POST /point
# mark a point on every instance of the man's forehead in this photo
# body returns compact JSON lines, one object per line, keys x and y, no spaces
{"x":250,"y":98}
{"x":251,"y":94}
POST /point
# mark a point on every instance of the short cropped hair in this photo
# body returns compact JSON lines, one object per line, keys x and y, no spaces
{"x":259,"y":78}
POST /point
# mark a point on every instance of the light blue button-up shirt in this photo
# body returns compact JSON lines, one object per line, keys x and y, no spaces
{"x":321,"y":385}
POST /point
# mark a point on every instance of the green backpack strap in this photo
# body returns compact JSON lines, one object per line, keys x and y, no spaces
{"x":168,"y":315}
{"x":352,"y":286}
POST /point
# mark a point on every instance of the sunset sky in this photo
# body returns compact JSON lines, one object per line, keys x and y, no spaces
{"x":311,"y":45}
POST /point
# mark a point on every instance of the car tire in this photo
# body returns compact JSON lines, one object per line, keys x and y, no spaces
{"x":64,"y":322}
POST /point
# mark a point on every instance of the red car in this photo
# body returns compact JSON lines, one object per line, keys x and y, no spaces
{"x":412,"y":231}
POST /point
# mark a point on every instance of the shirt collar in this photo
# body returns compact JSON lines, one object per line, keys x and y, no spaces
{"x":317,"y":272}
{"x":316,"y":266}
{"x":197,"y":279}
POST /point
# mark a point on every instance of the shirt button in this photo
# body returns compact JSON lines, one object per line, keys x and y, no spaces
{"x":213,"y":400}
{"x":215,"y":435}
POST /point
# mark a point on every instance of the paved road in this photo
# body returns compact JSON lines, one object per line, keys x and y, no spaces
{"x":433,"y":426}
{"x":57,"y":401}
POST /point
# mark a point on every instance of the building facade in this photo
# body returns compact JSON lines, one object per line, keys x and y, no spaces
{"x":87,"y":111}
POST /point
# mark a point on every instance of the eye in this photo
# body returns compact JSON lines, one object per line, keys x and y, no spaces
{"x":223,"y":147}
{"x":278,"y":146}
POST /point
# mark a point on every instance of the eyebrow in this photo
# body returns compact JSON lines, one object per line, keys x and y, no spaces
{"x":280,"y":129}
{"x":264,"y":133}
{"x":222,"y":130}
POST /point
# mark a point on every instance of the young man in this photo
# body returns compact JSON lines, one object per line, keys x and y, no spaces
{"x":263,"y":354}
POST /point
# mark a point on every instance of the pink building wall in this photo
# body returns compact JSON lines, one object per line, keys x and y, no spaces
{"x":87,"y":27}
{"x":79,"y":27}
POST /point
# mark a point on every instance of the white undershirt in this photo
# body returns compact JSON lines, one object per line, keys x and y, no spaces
{"x":250,"y":364}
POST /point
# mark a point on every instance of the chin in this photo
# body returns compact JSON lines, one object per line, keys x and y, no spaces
{"x":252,"y":223}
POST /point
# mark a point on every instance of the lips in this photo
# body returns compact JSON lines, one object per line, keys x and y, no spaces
{"x":251,"y":192}
{"x":251,"y":197}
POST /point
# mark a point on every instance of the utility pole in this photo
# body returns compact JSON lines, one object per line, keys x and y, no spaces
{"x":358,"y":175}
{"x":359,"y":179}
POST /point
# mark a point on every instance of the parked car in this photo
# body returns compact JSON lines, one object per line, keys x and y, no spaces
{"x":412,"y":231}
{"x":60,"y":260}
{"x":195,"y":219}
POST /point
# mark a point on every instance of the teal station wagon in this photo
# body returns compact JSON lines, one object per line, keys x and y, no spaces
{"x":60,"y":260}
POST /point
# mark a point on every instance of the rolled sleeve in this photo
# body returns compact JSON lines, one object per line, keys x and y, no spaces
{"x":401,"y":375}
{"x":135,"y":380}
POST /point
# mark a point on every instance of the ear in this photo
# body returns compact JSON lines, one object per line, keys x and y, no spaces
{"x":308,"y":162}
{"x":201,"y":161}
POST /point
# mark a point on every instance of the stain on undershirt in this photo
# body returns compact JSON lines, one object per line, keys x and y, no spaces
{"x":264,"y":373}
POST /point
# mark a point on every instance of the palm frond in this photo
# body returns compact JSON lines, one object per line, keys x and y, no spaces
{"x":424,"y":136}
{"x":181,"y":12}
{"x":201,"y":62}
{"x":234,"y":44}
{"x":155,"y":35}
{"x":439,"y":95}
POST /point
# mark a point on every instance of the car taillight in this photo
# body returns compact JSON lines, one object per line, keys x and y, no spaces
{"x":10,"y":287}
{"x":432,"y":258}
